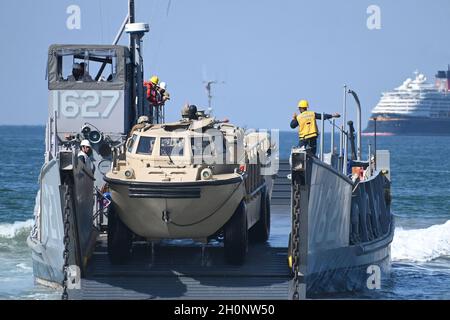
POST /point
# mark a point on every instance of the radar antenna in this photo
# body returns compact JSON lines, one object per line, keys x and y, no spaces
{"x":208,"y":87}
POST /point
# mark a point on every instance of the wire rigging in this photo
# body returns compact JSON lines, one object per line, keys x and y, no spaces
{"x":101,"y":19}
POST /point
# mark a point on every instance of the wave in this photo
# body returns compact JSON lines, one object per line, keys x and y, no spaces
{"x":24,"y":267}
{"x":18,"y":230}
{"x":421,"y":245}
{"x":415,"y":245}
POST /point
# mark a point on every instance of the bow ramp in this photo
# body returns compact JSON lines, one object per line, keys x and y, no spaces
{"x":185,"y":270}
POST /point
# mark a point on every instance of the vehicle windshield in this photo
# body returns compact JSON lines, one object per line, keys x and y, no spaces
{"x":173,"y":147}
{"x":146,"y":145}
{"x":202,"y":147}
{"x":131,"y":143}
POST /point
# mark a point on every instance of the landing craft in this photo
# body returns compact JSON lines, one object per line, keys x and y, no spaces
{"x":160,"y":187}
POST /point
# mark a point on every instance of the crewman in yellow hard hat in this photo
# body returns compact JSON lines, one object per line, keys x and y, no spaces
{"x":154,"y":80}
{"x":306,"y":121}
{"x":157,"y":94}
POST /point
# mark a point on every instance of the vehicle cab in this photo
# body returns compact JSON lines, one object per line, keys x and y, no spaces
{"x":182,"y":151}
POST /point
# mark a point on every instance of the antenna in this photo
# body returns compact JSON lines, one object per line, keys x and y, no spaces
{"x":208,"y":86}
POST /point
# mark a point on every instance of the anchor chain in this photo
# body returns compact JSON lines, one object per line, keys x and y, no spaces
{"x":67,"y":205}
{"x":296,"y":240}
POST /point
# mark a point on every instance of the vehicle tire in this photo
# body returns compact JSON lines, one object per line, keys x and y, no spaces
{"x":120,"y":238}
{"x":236,"y":236}
{"x":260,"y":232}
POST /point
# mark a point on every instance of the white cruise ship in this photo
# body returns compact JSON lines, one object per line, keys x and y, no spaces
{"x":417,"y":107}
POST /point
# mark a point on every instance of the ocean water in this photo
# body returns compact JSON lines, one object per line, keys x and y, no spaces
{"x":420,"y":170}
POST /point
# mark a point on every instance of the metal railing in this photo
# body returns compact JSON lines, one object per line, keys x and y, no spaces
{"x":344,"y":134}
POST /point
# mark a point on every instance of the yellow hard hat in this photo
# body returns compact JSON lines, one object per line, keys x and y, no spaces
{"x":303,"y":104}
{"x":154,"y":80}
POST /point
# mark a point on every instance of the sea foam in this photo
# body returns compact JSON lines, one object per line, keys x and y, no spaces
{"x":12,"y":230}
{"x":421,"y":245}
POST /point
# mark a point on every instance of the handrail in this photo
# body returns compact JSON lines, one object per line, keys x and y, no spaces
{"x":344,"y":146}
{"x":333,"y":124}
{"x":358,"y":116}
{"x":322,"y":136}
{"x":344,"y":121}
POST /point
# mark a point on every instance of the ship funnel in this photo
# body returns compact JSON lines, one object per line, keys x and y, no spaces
{"x":448,"y":80}
{"x":442,"y":75}
{"x":443,"y":80}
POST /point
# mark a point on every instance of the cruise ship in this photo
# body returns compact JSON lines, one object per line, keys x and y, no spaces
{"x":417,"y":107}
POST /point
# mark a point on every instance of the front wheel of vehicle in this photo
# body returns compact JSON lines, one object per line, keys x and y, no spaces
{"x":236,"y":236}
{"x":120,"y":238}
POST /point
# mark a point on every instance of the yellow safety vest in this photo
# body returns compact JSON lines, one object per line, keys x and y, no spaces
{"x":307,"y":126}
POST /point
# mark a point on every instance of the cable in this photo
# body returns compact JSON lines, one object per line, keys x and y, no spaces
{"x":90,"y":124}
{"x":209,"y":216}
{"x":101,"y":19}
{"x":160,"y":41}
{"x":168,"y":8}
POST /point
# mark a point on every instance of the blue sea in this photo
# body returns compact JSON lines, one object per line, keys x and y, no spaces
{"x":420,"y":170}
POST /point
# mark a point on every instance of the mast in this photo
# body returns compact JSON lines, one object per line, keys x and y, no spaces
{"x":137,"y":32}
{"x":132,"y":19}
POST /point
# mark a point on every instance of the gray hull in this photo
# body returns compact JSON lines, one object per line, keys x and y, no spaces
{"x":60,"y":189}
{"x":344,"y":228}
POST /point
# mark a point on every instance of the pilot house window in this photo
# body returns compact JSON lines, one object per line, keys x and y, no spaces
{"x":87,"y":65}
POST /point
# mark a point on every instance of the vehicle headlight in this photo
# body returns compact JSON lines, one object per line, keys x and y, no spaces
{"x":206,"y":174}
{"x":129,"y":173}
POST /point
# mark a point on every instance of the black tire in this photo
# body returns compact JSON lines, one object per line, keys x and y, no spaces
{"x":236,"y":236}
{"x":120,"y":238}
{"x":260,"y":232}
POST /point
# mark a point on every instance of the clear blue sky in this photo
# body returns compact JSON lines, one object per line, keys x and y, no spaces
{"x":269,"y":53}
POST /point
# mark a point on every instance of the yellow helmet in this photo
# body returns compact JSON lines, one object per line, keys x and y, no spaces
{"x":303,"y":104}
{"x":154,"y":80}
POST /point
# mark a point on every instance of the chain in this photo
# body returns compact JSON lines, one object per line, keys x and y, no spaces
{"x":67,"y":203}
{"x":296,"y":240}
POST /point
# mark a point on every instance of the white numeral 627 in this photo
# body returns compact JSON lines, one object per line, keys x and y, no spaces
{"x":73,"y":104}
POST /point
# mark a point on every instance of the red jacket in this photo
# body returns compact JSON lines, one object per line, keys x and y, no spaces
{"x":152,"y":92}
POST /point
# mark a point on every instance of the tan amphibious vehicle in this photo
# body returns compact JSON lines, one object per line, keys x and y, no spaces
{"x":197,"y":178}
